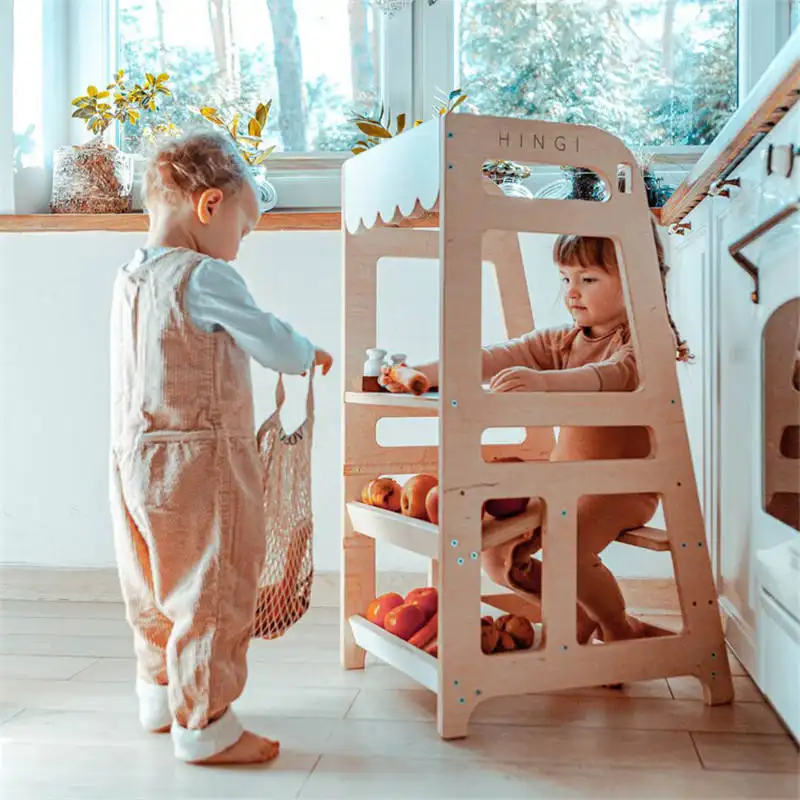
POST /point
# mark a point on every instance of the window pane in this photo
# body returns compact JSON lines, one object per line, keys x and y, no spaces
{"x":28,"y":85}
{"x":316,"y":60}
{"x":654,"y":72}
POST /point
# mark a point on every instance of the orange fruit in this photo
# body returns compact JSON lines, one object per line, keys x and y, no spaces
{"x":426,"y":599}
{"x":404,"y":621}
{"x":381,"y":606}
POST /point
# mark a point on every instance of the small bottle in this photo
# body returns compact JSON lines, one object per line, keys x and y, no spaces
{"x":372,"y":370}
{"x":397,"y":359}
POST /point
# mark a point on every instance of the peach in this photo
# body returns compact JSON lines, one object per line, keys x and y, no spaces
{"x":432,"y":505}
{"x":501,"y":508}
{"x":382,"y":493}
{"x":404,"y":621}
{"x":415,"y":492}
{"x":381,"y":606}
{"x":505,"y":642}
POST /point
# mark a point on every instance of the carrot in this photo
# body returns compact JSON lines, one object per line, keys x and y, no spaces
{"x":427,"y":632}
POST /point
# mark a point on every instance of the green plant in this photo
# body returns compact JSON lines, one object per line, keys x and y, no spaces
{"x":127,"y":105}
{"x":375,"y":130}
{"x":250,"y":144}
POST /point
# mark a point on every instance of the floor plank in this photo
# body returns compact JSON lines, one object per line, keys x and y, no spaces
{"x":355,"y":777}
{"x":688,"y":688}
{"x":43,"y":667}
{"x":576,"y":712}
{"x":733,"y":751}
{"x":68,"y":714}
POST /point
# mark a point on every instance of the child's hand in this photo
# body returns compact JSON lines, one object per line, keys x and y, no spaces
{"x":518,"y":379}
{"x":323,"y":359}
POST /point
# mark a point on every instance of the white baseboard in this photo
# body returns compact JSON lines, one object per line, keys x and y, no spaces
{"x":656,"y":595}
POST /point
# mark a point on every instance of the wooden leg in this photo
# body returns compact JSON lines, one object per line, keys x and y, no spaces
{"x":433,"y":573}
{"x":715,"y":678}
{"x":358,"y":581}
{"x":452,"y":715}
{"x":358,"y":591}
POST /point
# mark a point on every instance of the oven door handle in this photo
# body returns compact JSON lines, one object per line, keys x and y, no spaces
{"x":736,"y":248}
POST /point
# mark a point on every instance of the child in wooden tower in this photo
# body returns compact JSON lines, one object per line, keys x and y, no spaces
{"x":593,"y":354}
{"x":186,"y":480}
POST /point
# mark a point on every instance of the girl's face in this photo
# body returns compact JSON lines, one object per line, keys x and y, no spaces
{"x":593,"y":297}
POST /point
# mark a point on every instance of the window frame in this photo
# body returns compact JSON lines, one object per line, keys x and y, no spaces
{"x":410,"y":44}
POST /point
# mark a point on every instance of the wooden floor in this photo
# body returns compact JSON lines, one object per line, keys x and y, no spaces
{"x":68,"y":728}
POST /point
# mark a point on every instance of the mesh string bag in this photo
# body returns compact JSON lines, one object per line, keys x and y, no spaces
{"x":284,"y":589}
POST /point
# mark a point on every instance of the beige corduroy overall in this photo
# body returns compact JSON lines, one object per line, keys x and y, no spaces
{"x":187,"y":504}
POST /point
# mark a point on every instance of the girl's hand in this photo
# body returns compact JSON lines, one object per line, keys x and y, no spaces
{"x":518,"y":379}
{"x":388,"y":384}
{"x":323,"y":359}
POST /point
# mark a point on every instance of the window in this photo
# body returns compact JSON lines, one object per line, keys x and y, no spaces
{"x":664,"y":75}
{"x":317,"y":60}
{"x":654,"y":72}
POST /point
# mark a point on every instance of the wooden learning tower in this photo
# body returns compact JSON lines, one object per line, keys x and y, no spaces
{"x":389,"y":190}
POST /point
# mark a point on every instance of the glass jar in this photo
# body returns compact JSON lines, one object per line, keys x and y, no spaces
{"x":95,"y":178}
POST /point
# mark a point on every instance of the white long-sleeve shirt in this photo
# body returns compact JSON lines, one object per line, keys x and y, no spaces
{"x":217,"y":298}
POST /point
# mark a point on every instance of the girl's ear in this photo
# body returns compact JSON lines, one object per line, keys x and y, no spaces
{"x":208,"y":204}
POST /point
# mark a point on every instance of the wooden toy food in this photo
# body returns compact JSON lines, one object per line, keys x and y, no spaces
{"x":381,"y":606}
{"x":404,"y":621}
{"x":412,"y":379}
{"x":414,"y":495}
{"x":427,"y":633}
{"x":489,"y":635}
{"x":432,"y":505}
{"x":518,"y":628}
{"x":501,"y":508}
{"x":382,"y":493}
{"x":426,"y":599}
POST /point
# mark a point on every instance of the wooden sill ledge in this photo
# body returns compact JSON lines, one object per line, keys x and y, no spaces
{"x":137,"y":222}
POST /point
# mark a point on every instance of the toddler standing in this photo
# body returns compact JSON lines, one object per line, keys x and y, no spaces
{"x":186,"y":480}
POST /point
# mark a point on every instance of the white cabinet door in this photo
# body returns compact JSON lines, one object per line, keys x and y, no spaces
{"x":744,"y":527}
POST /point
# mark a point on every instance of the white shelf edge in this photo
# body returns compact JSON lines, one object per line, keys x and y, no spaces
{"x":388,"y":526}
{"x":410,"y":660}
{"x":422,"y":537}
{"x":429,"y":400}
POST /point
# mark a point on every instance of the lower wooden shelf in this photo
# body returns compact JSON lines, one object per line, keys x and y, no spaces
{"x":422,"y":537}
{"x":417,"y":664}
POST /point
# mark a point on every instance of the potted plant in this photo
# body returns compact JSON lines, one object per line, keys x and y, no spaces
{"x":376,"y":130}
{"x":248,"y":133}
{"x":96,"y":178}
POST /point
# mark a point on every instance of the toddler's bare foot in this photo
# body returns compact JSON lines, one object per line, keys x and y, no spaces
{"x":250,"y":749}
{"x":644,"y":630}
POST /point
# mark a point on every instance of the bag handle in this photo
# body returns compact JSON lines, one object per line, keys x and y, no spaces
{"x":280,"y":394}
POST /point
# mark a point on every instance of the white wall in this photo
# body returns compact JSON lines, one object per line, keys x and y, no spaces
{"x":55,"y":292}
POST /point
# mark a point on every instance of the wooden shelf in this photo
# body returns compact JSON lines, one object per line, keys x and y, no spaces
{"x":417,"y":664}
{"x":138,"y":222}
{"x":422,"y":537}
{"x":646,"y":538}
{"x":428,"y":400}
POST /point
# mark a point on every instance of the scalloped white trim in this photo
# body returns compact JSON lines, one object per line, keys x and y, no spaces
{"x":393,"y":179}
